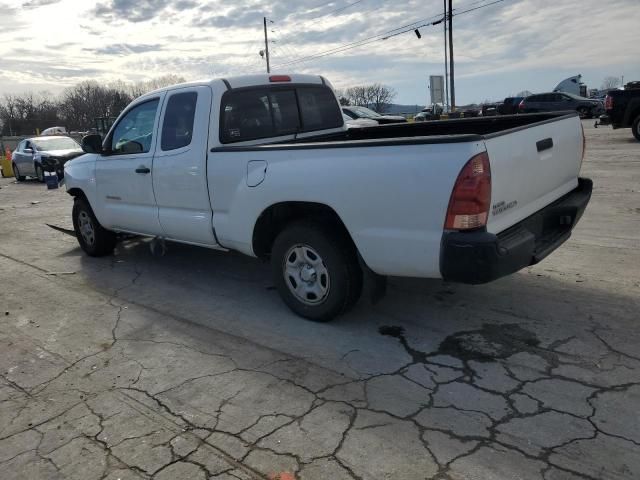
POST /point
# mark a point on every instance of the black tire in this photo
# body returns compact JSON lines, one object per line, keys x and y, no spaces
{"x":337,"y":258}
{"x":583,"y":112}
{"x":16,"y":173}
{"x":635,"y":128}
{"x":39,"y":172}
{"x":102,"y":241}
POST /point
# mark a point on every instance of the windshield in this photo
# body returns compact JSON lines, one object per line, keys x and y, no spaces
{"x":60,"y":143}
{"x":365,"y":112}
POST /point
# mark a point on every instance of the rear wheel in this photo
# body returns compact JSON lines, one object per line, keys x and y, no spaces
{"x":635,"y":127}
{"x":316,"y":271}
{"x":39,"y":172}
{"x":17,"y":174}
{"x":93,"y":238}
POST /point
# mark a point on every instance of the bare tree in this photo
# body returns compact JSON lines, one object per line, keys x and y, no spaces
{"x":26,"y":114}
{"x":610,"y":82}
{"x":342,"y":97}
{"x":356,"y":96}
{"x":375,"y":96}
{"x":77,"y":108}
{"x":380,"y":97}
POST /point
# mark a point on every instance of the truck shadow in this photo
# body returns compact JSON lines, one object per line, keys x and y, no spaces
{"x":234,"y":294}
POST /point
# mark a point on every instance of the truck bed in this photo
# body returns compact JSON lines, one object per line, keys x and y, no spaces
{"x":440,"y":131}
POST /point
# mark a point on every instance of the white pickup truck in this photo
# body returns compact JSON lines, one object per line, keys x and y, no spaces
{"x":264,"y":165}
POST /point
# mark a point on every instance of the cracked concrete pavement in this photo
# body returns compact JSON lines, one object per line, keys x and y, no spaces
{"x":188,"y":366}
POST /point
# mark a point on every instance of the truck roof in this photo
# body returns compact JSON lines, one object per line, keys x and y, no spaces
{"x":249,"y":81}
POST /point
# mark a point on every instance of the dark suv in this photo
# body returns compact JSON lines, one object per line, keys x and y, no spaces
{"x":510,"y":105}
{"x":623,"y":108}
{"x":558,"y":101}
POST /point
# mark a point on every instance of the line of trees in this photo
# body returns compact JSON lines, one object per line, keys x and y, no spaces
{"x":76,"y":108}
{"x":375,"y":96}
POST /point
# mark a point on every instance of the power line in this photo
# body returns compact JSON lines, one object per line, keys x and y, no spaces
{"x":337,"y":10}
{"x":384,"y":35}
{"x":364,"y":41}
{"x":286,"y":37}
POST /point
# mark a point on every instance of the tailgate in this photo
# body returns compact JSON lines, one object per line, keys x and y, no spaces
{"x":531,"y":167}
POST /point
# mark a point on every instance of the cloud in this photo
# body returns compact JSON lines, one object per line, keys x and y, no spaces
{"x":38,"y":3}
{"x":125,"y":49}
{"x":139,"y":10}
{"x":504,"y":48}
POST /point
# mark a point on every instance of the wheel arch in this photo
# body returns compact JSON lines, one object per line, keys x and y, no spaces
{"x":276,"y":217}
{"x":76,"y":192}
{"x":632,"y":111}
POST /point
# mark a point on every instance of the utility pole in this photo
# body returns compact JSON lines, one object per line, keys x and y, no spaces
{"x":453,"y":87}
{"x":446,"y":67}
{"x":266,"y":44}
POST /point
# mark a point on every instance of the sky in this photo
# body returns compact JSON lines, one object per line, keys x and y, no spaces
{"x":500,"y":49}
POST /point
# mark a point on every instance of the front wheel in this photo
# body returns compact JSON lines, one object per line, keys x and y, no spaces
{"x":39,"y":172}
{"x":635,"y":128}
{"x":93,"y":238}
{"x":583,"y":112}
{"x":316,"y":271}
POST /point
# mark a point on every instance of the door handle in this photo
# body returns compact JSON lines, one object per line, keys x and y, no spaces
{"x":143,"y":169}
{"x":545,"y":144}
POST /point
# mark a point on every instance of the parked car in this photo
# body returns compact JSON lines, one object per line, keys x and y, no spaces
{"x":425,"y":116}
{"x":358,"y":122}
{"x":561,"y":101}
{"x":284,"y":179}
{"x":623,"y":108}
{"x":54,"y":131}
{"x":489,"y":109}
{"x":364,"y":112}
{"x":33,"y":156}
{"x":509,"y":106}
{"x":429,"y":113}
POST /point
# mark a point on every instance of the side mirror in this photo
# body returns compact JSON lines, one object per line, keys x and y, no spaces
{"x":92,"y":144}
{"x":28,"y":150}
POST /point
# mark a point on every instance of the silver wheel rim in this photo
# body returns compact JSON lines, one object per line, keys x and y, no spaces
{"x":306,"y":275}
{"x":86,"y":228}
{"x":40,"y":174}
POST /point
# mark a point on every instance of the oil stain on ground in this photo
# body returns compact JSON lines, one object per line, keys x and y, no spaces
{"x":490,"y":343}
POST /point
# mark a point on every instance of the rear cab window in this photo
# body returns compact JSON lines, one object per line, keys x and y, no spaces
{"x":263,"y":112}
{"x":177,"y":127}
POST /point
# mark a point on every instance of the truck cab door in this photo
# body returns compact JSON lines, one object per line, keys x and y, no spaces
{"x":180,"y":166}
{"x":124,"y":171}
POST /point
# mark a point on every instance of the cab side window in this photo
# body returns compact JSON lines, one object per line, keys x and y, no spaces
{"x":177,"y":127}
{"x":134,"y":132}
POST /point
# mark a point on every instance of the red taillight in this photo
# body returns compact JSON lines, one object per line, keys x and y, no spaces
{"x":608,"y":102}
{"x":279,"y":78}
{"x":521,"y":105}
{"x":471,"y":196}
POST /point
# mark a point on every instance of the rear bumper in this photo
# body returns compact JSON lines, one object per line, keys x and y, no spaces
{"x":480,"y":257}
